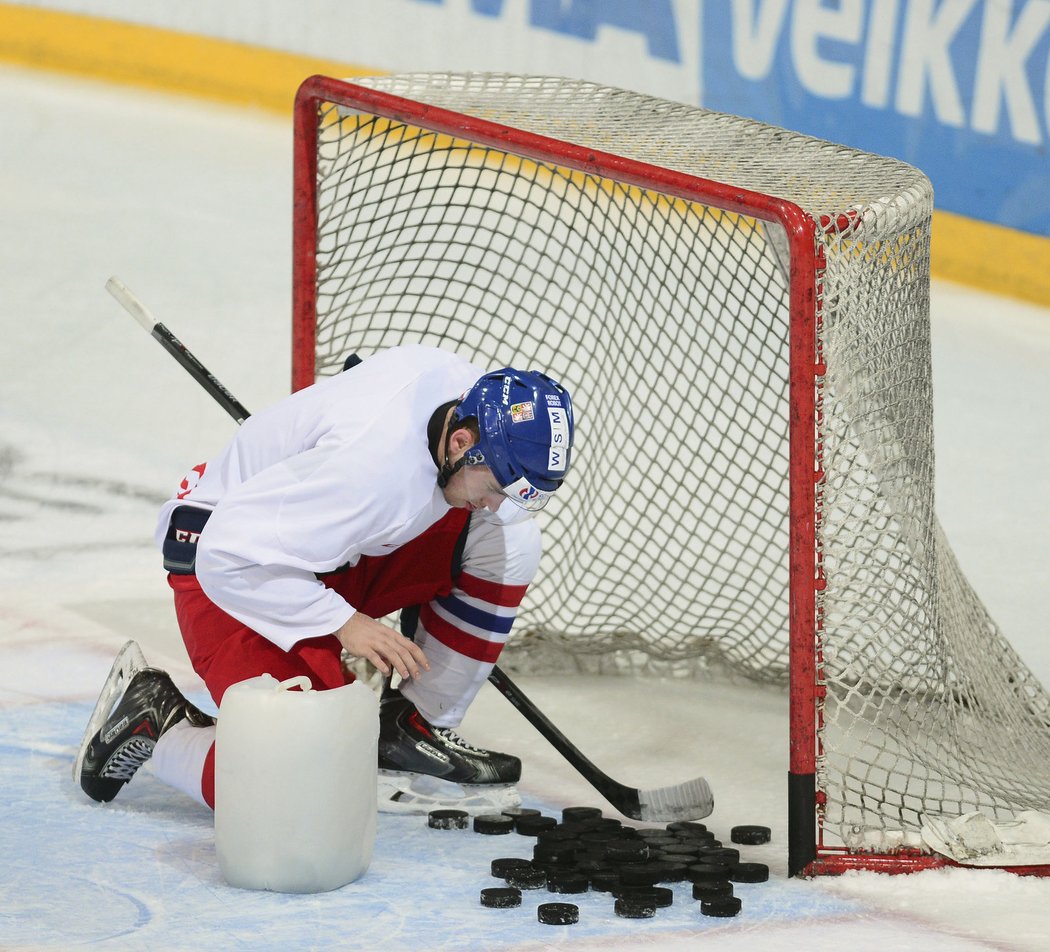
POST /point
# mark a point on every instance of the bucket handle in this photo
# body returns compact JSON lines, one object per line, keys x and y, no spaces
{"x":300,"y":681}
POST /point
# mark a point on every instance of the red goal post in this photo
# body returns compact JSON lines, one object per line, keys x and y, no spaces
{"x":426,"y":208}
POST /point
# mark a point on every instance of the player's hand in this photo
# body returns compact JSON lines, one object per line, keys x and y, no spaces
{"x":386,"y":648}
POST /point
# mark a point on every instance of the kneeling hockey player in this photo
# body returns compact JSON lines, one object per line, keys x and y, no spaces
{"x":379,"y":489}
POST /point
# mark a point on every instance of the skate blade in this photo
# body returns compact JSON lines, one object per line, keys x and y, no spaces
{"x":128,"y":661}
{"x":403,"y":792}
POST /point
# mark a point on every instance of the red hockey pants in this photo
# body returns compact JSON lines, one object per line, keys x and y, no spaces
{"x":224,"y":651}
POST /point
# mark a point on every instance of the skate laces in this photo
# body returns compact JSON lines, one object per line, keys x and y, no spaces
{"x":450,"y":736}
{"x":132,"y":755}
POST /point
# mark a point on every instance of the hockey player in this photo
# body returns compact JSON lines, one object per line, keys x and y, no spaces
{"x":379,"y":489}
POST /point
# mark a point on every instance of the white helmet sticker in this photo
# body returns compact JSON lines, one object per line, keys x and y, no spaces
{"x":524,"y":494}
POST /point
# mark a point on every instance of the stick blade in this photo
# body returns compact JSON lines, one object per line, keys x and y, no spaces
{"x":692,"y":800}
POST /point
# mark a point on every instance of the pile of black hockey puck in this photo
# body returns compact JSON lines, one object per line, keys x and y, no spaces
{"x":638,"y":867}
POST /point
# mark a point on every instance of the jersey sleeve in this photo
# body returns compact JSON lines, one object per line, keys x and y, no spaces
{"x":463,"y":633}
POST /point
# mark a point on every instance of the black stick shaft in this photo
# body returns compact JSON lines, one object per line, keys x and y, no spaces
{"x":199,"y":372}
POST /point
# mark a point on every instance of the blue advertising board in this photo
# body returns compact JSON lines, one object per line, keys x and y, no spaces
{"x":958,"y":88}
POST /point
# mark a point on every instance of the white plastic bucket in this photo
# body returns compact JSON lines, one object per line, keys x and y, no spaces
{"x":295,"y":784}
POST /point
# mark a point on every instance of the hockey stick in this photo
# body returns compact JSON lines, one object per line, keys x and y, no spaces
{"x":690,"y":800}
{"x":177,"y":349}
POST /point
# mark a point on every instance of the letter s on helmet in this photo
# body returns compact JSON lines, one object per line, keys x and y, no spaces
{"x":526,"y":432}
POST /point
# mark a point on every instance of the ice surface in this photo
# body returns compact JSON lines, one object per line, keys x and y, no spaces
{"x":190,"y":205}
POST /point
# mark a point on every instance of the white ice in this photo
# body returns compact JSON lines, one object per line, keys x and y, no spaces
{"x":191,"y":206}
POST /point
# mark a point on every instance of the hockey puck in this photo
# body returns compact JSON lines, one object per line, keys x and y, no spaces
{"x":560,"y":854}
{"x":632,"y":908}
{"x":567,"y":881}
{"x":720,"y":908}
{"x":664,"y":897}
{"x":686,"y":826}
{"x":575,"y":814}
{"x":526,"y":877}
{"x":673,"y":872}
{"x":599,"y":838}
{"x":493,"y":823}
{"x":707,"y":872}
{"x":680,"y":847}
{"x":720,"y":854}
{"x":447,"y":819}
{"x":501,"y":897}
{"x":558,"y":913}
{"x":533,"y":824}
{"x":660,"y":896}
{"x":516,"y":812}
{"x":750,"y":835}
{"x":657,"y":833}
{"x":749,"y":872}
{"x":719,"y":889}
{"x":590,"y":865}
{"x":679,"y":859}
{"x":627,"y":851}
{"x":557,"y":834}
{"x":699,"y":840}
{"x":658,"y":846}
{"x":640,"y":874}
{"x":500,"y":867}
{"x":579,"y":827}
{"x":605,"y":880}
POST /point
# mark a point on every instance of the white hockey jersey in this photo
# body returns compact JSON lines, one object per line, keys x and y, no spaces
{"x":336,"y":471}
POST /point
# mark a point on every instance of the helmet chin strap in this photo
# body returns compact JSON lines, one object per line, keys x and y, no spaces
{"x":447,"y":471}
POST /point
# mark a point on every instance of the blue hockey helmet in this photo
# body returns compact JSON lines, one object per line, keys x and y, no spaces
{"x":526,"y":430}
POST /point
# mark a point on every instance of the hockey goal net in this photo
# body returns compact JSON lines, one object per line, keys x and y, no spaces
{"x":741,"y":314}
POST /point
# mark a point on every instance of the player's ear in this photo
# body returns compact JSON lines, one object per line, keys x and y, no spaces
{"x":460,"y":441}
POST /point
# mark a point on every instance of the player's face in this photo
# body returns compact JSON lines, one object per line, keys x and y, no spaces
{"x":473,"y":488}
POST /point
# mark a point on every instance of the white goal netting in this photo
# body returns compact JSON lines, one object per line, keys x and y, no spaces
{"x":670,"y":321}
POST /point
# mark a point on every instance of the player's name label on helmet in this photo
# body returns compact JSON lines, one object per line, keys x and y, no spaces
{"x":559,"y":438}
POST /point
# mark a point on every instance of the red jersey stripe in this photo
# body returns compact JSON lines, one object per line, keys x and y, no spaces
{"x":495,"y":593}
{"x":459,"y":641}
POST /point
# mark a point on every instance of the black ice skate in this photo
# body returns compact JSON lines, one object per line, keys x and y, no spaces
{"x":120,"y":736}
{"x":422,"y":766}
